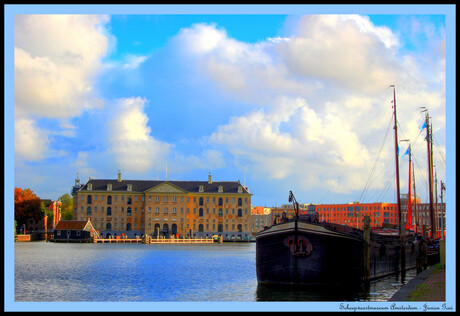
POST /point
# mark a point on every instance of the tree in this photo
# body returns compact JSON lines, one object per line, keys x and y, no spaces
{"x":66,"y":207}
{"x":26,"y":206}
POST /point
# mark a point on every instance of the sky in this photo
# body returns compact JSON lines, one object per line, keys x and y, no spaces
{"x":281,"y":102}
{"x":282,"y":98}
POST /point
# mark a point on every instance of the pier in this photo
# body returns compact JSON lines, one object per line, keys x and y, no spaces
{"x":150,"y":240}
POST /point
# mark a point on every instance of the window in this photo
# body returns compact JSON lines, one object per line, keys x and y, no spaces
{"x":201,"y":188}
{"x":166,"y":199}
{"x":109,"y":211}
{"x":128,"y":211}
{"x":221,"y":202}
{"x":89,"y":199}
{"x":166,"y":210}
{"x":240,"y":228}
{"x":130,"y":187}
{"x":200,"y":228}
{"x":90,"y":186}
{"x":108,"y":226}
{"x":240,"y":202}
{"x":221,"y":189}
{"x":220,"y":228}
{"x":174,"y":210}
{"x":201,"y":201}
{"x":129,"y":200}
{"x":109,"y":187}
{"x":220,"y":212}
{"x":88,"y":210}
{"x":200,"y":212}
{"x":128,"y":226}
{"x":240,"y":213}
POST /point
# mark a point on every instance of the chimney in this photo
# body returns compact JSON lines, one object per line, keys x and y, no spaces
{"x":210,"y":178}
{"x":119,"y":176}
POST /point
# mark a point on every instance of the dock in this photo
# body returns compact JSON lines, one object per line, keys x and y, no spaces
{"x":149,"y":240}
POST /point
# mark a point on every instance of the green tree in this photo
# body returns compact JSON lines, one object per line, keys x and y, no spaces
{"x":48,"y":213}
{"x":66,"y":207}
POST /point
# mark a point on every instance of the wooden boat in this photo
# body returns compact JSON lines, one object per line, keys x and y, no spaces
{"x":328,"y":253}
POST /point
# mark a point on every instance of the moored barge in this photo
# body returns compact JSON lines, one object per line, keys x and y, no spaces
{"x":303,"y":252}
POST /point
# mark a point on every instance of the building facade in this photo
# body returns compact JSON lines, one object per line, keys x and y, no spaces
{"x":352,"y":214}
{"x":194,"y":209}
{"x":261,"y":217}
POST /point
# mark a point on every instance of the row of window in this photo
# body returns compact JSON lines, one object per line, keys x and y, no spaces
{"x":355,"y":208}
{"x":157,"y":211}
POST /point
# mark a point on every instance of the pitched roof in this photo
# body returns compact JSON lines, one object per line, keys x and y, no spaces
{"x":144,"y":185}
{"x":71,"y":225}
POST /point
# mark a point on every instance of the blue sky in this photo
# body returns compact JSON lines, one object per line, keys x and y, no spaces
{"x":281,"y":102}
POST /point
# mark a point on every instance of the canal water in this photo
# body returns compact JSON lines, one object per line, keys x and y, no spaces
{"x":66,"y":272}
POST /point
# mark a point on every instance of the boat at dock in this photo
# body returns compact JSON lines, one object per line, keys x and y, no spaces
{"x":329,"y":253}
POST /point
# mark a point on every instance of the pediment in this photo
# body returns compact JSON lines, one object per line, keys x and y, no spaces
{"x":165,"y":187}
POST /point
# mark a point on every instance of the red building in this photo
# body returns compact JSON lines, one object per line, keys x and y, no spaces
{"x":352,"y":214}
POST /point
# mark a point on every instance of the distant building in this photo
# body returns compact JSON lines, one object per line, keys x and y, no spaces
{"x":166,"y":208}
{"x":352,"y":214}
{"x":43,"y":225}
{"x":260,"y":217}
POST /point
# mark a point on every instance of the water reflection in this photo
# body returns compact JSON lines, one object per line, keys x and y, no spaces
{"x":376,"y":291}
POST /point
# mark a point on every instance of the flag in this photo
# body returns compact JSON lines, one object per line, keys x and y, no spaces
{"x":424,"y":126}
{"x":407,"y":152}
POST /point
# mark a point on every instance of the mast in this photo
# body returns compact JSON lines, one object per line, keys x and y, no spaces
{"x":397,"y":160}
{"x":430,"y":172}
{"x":436,"y":195}
{"x":409,"y":200}
{"x":443,"y":188}
{"x":401,"y":225}
{"x":417,"y":222}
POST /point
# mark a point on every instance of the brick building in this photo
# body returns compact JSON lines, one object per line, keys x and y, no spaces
{"x":118,"y":207}
{"x":352,"y":214}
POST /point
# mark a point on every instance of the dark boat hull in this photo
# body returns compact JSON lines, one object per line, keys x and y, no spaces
{"x":333,"y":255}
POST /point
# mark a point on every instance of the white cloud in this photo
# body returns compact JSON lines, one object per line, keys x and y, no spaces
{"x":320,"y":102}
{"x":131,"y":143}
{"x":56,"y":58}
{"x":30,"y":142}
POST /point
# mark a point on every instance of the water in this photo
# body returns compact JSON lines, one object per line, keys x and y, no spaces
{"x":66,"y":272}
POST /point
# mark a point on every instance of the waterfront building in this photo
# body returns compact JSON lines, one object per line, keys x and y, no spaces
{"x":194,"y":209}
{"x":43,"y":225}
{"x":352,"y":214}
{"x":74,"y":231}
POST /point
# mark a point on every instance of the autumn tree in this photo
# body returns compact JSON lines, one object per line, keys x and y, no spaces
{"x":26,"y":206}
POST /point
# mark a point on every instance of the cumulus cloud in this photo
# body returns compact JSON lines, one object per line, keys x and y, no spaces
{"x":31,"y":142}
{"x":320,"y":100}
{"x":131,"y":143}
{"x":56,"y":58}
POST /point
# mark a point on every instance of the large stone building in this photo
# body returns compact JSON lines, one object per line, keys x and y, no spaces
{"x":118,"y":207}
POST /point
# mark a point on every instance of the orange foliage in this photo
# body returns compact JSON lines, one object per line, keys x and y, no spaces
{"x":26,"y":205}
